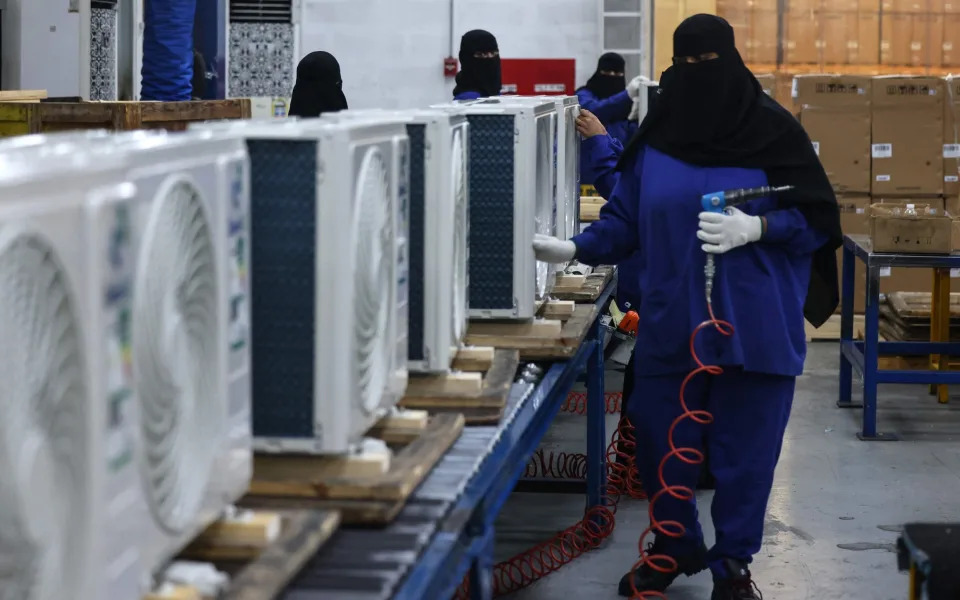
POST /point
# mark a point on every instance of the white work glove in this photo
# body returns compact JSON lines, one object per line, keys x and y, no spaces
{"x":633,"y":88}
{"x":721,"y":233}
{"x":551,"y":250}
{"x":635,"y":110}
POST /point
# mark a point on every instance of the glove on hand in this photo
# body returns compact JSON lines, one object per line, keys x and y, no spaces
{"x":549,"y":249}
{"x":633,"y":88}
{"x":635,"y":110}
{"x":721,"y":233}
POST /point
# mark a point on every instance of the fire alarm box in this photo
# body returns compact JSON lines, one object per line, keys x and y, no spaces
{"x":449,"y":67}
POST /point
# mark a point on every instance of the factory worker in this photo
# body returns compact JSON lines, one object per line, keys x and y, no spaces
{"x":319,"y":87}
{"x":479,"y":75}
{"x":714,"y":129}
{"x":608,"y":96}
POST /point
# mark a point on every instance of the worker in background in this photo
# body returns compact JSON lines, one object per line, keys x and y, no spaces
{"x":608,"y":96}
{"x":714,"y":129}
{"x":319,"y":87}
{"x":479,"y":75}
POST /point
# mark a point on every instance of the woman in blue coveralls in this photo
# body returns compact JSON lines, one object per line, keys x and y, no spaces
{"x":714,"y":129}
{"x":608,"y":96}
{"x":479,"y":75}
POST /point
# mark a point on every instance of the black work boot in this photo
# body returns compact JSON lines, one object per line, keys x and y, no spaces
{"x":647,"y":579}
{"x":738,"y":585}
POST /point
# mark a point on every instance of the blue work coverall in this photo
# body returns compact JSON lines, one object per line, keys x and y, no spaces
{"x":760,"y":289}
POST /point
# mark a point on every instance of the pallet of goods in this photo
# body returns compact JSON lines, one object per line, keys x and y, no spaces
{"x":21,"y":118}
{"x":246,"y":555}
{"x":366,"y":488}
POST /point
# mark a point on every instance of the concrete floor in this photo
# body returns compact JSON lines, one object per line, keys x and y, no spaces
{"x":833,"y":516}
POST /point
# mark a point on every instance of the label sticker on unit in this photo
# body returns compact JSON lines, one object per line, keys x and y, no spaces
{"x":885,"y":271}
{"x":118,"y":354}
{"x":794,"y":88}
{"x":951,"y":178}
{"x":951,"y":150}
{"x":816,"y":148}
{"x":882,"y":151}
{"x":237,"y":267}
{"x":883,"y":178}
{"x":954,"y":273}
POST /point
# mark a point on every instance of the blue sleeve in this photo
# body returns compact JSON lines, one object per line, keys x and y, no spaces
{"x":609,"y":110}
{"x":600,"y":156}
{"x":470,"y":95}
{"x":788,"y":227}
{"x":614,"y":237}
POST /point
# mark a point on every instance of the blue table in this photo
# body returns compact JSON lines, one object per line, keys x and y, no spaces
{"x":446,"y":531}
{"x":864,"y":355}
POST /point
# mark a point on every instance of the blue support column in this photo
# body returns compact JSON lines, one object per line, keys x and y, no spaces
{"x":481,"y":570}
{"x":846,"y":328}
{"x":871,"y":353}
{"x":596,"y":421}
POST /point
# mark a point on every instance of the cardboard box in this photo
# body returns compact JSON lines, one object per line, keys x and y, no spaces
{"x":839,"y":37}
{"x":906,"y":6}
{"x":904,"y":40}
{"x":769,"y":83}
{"x":801,"y":38}
{"x":951,"y":140}
{"x":801,"y":6}
{"x":867,"y":48}
{"x":930,"y":27}
{"x":907,"y":136}
{"x":836,"y":115}
{"x":950,"y":6}
{"x":854,"y":221}
{"x":764,"y":25}
{"x":910,"y":228}
{"x":784,"y":94}
{"x":950,"y":44}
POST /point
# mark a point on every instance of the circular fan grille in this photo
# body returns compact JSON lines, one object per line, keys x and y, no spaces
{"x":460,"y":240}
{"x":544,"y":205}
{"x":176,"y":354}
{"x":44,"y":504}
{"x":372,"y":280}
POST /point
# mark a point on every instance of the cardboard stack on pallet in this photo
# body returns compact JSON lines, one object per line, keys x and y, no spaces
{"x":884,"y":140}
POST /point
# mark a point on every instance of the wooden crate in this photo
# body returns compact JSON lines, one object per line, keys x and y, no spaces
{"x":19,"y":118}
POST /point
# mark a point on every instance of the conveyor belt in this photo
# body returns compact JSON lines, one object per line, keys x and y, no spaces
{"x":368,"y":564}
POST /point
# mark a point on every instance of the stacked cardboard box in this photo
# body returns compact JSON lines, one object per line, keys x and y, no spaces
{"x":885,"y":140}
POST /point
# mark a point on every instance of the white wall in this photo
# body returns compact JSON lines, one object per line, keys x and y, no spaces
{"x":41,"y":43}
{"x":391,"y":51}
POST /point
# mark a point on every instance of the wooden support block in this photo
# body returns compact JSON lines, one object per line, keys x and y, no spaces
{"x":547,"y":328}
{"x":450,"y":383}
{"x":401,"y":427}
{"x":474,"y":358}
{"x":22,"y":95}
{"x":242,"y":536}
{"x":174,"y":592}
{"x":297,"y":475}
{"x":592,"y":200}
{"x":570,"y":281}
{"x":558,"y":309}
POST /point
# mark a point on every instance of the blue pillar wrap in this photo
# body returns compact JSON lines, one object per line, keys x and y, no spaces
{"x":168,"y":49}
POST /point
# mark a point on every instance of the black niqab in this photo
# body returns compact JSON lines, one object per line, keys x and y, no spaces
{"x":714,"y":113}
{"x":480,"y":75}
{"x":603,"y":86}
{"x":319,"y":87}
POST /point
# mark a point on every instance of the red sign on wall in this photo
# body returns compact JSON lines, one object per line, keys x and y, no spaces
{"x":539,"y":76}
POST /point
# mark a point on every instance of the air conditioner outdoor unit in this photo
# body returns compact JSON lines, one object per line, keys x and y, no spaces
{"x":439,"y":226}
{"x":189,"y":226}
{"x":69,"y":520}
{"x":329,"y":278}
{"x":568,"y":168}
{"x":512,"y":192}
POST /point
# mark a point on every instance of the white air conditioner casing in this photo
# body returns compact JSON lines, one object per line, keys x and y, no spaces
{"x":568,"y":168}
{"x":330,"y":277}
{"x":191,"y":323}
{"x":439,"y":226}
{"x":512,"y":192}
{"x":70,"y":525}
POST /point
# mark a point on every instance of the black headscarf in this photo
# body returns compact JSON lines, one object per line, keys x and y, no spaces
{"x":713,"y":113}
{"x":603,"y":86}
{"x":478,"y":74}
{"x":319,"y":88}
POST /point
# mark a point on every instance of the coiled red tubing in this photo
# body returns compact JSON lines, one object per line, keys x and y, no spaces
{"x":622,"y":480}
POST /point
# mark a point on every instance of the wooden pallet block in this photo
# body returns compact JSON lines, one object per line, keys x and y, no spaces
{"x":569,"y":287}
{"x":590,"y":208}
{"x":261,"y":552}
{"x":479,"y":407}
{"x":281,"y":481}
{"x":543,"y":339}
